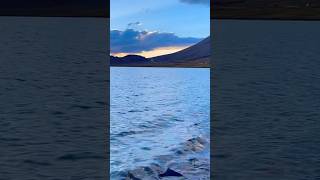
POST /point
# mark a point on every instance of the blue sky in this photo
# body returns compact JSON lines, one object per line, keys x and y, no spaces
{"x":162,"y":24}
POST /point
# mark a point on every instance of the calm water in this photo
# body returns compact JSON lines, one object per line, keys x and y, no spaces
{"x":53,"y":82}
{"x":266,"y":100}
{"x":154,"y":111}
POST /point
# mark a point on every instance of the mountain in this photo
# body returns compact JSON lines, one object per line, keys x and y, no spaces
{"x":199,"y":51}
{"x":128,"y":60}
{"x":90,"y":8}
{"x":197,"y":55}
{"x":266,"y":9}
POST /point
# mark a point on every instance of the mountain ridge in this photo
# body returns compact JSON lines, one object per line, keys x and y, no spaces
{"x":197,"y":55}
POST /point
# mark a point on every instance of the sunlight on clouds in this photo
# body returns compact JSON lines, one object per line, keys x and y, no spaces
{"x":155,"y":52}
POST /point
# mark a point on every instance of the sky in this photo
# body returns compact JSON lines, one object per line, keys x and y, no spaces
{"x":156,"y":27}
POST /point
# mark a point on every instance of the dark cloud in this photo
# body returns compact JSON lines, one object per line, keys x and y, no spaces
{"x":205,"y":2}
{"x":134,"y":25}
{"x":134,"y":41}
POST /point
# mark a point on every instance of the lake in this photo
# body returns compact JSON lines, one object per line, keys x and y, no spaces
{"x":266,"y":100}
{"x":265,"y":104}
{"x":53,"y":84}
{"x":155,"y":113}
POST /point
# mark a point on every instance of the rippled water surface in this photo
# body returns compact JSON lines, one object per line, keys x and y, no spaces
{"x":154,"y":112}
{"x":53,"y":81}
{"x":266,"y":100}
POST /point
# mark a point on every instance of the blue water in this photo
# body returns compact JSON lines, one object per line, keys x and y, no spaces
{"x":266,"y":100}
{"x":154,"y":111}
{"x":53,"y":82}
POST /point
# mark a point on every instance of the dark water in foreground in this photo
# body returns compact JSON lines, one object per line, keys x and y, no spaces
{"x":53,"y":78}
{"x":266,"y":100}
{"x":160,"y":119}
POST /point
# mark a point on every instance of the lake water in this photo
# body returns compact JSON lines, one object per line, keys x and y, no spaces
{"x":266,"y":100}
{"x":154,"y":112}
{"x":53,"y":84}
{"x":265,"y":103}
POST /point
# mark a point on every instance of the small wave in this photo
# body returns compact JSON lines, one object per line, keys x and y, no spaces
{"x":33,"y":162}
{"x":81,"y":106}
{"x":57,"y":113}
{"x":21,"y":80}
{"x":79,"y":156}
{"x":26,"y":112}
{"x":135,"y":110}
{"x":221,"y":156}
{"x":195,"y":144}
{"x":191,"y":145}
{"x":128,"y":133}
{"x":100,"y":103}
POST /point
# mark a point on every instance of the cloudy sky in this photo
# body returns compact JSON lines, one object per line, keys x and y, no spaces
{"x":155,"y":27}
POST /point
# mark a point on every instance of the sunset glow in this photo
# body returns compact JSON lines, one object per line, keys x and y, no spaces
{"x":153,"y":28}
{"x":155,"y":52}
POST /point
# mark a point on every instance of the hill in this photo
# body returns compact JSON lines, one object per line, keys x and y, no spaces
{"x":197,"y":55}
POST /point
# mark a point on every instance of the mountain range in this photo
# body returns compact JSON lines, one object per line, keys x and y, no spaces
{"x":197,"y":55}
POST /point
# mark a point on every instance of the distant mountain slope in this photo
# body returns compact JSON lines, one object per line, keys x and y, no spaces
{"x":266,"y":9}
{"x":90,"y":8}
{"x":197,"y":55}
{"x":197,"y":51}
{"x":128,"y":60}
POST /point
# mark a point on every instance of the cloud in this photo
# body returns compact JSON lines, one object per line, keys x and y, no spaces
{"x":205,"y":2}
{"x":134,"y":41}
{"x":134,"y":25}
